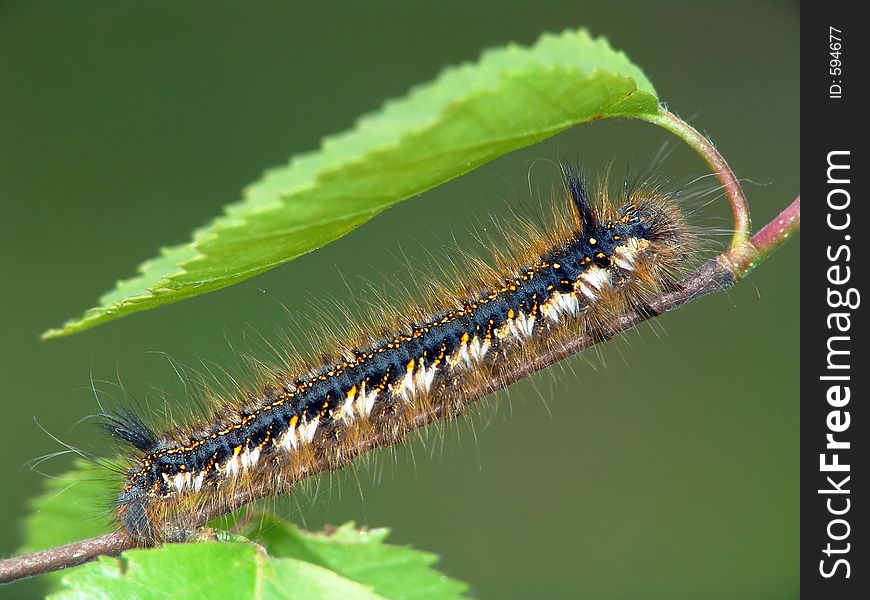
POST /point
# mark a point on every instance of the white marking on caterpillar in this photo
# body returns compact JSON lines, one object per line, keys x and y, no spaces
{"x":453,"y":359}
{"x":478,"y":348}
{"x":561,"y":303}
{"x":347,"y":407}
{"x":625,"y":264}
{"x":597,"y":277}
{"x":250,"y":457}
{"x":568,"y":303}
{"x":424,"y":377}
{"x":406,"y":387}
{"x":181,"y":480}
{"x":529,"y":325}
{"x":366,"y":400}
{"x":624,"y":258}
{"x":473,"y":351}
{"x":586,"y":291}
{"x":290,"y":440}
{"x":231,"y":469}
{"x":626,"y":255}
{"x":308,"y":429}
{"x":522,"y":326}
{"x":464,"y":354}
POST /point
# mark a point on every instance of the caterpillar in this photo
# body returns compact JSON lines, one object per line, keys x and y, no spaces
{"x":597,"y":260}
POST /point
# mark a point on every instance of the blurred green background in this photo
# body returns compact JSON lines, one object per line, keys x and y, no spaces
{"x":666,"y":467}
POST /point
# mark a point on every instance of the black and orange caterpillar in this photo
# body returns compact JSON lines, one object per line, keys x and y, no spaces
{"x":605,"y":259}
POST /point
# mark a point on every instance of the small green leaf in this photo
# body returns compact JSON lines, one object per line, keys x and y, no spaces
{"x":361,"y":555}
{"x":210,"y":570}
{"x":346,"y":563}
{"x":511,"y":97}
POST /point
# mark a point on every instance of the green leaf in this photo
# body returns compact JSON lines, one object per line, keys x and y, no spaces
{"x":470,"y":114}
{"x":361,"y":555}
{"x":209,"y":570}
{"x":346,"y":563}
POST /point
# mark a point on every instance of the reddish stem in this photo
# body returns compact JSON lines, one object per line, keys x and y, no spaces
{"x":705,"y":148}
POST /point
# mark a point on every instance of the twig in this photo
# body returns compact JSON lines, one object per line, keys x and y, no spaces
{"x":767,"y":240}
{"x":53,"y":559}
{"x":717,"y":274}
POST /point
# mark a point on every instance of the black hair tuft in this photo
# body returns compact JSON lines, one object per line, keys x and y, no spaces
{"x":125,"y":425}
{"x":575,"y":185}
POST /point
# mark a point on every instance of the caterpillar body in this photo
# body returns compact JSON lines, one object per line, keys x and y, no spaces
{"x":601,"y":260}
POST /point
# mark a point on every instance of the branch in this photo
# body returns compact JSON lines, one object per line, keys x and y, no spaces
{"x":767,"y":240}
{"x":717,"y":274}
{"x":53,"y":559}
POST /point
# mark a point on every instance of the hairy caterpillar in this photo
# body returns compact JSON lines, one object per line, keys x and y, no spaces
{"x":601,"y":260}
